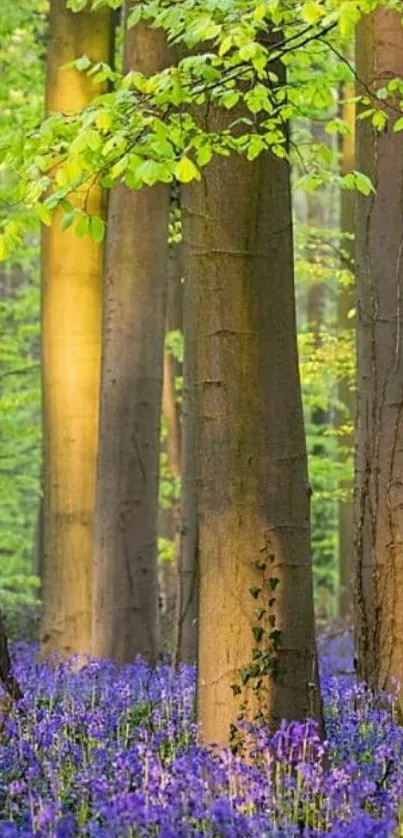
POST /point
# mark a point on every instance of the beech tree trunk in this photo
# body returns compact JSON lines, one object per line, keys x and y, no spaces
{"x":250,"y":466}
{"x":170,"y":518}
{"x":188,"y":569}
{"x":125,"y":620}
{"x":379,"y":481}
{"x":71,"y":344}
{"x":346,"y":303}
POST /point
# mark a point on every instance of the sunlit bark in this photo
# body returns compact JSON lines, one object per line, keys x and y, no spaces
{"x":71,"y":344}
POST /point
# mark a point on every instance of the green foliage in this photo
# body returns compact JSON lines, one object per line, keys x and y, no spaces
{"x":22,"y":47}
{"x":327,"y":358}
{"x":148,"y":130}
{"x":20,"y":433}
{"x":166,"y":550}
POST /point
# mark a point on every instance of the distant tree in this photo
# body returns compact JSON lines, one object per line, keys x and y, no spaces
{"x":171,"y":453}
{"x":346,"y":305}
{"x":379,"y":236}
{"x":71,"y":349}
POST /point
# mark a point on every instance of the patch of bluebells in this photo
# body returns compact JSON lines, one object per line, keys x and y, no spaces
{"x":108,"y":753}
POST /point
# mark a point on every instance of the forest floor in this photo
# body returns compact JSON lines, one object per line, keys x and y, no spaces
{"x":108,"y":753}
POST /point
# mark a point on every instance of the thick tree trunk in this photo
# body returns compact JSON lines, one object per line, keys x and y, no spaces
{"x":252,"y":529}
{"x":346,"y":303}
{"x":125,"y":621}
{"x":379,"y":484}
{"x":71,"y":343}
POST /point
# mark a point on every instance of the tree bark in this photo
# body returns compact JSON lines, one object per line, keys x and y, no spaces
{"x":6,"y":676}
{"x":379,"y":486}
{"x":125,"y":620}
{"x":188,"y":560}
{"x":252,"y":529}
{"x":169,"y":519}
{"x":346,"y":303}
{"x":71,"y":343}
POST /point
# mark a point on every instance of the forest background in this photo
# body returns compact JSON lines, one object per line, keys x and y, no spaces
{"x":325,"y":316}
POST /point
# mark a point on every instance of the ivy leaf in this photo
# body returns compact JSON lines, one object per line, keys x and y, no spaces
{"x":258,"y":632}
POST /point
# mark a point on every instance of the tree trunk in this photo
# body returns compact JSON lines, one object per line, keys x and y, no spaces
{"x":379,"y":485}
{"x":188,"y":564}
{"x":125,"y":621}
{"x":169,"y":519}
{"x":7,"y":678}
{"x":346,"y":303}
{"x":71,"y":339}
{"x":250,"y":469}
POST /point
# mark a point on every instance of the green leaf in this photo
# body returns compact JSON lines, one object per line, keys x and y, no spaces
{"x":97,"y":229}
{"x":186,"y":171}
{"x":230,"y":99}
{"x":134,"y":17}
{"x":68,"y":219}
{"x":359,"y":181}
{"x":225,"y":45}
{"x":82,"y":64}
{"x":379,"y":120}
{"x":260,"y":11}
{"x":312,"y":12}
{"x":204,"y":155}
{"x":44,"y":214}
{"x":363,"y":183}
{"x":349,"y":15}
{"x":103,"y":120}
{"x":82,"y":227}
{"x":3,"y":249}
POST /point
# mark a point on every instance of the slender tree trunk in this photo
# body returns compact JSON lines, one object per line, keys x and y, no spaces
{"x":345,"y":305}
{"x":125,"y":621}
{"x":71,"y":340}
{"x":379,"y":484}
{"x":252,"y":528}
{"x":185,"y":640}
{"x":188,"y":565}
{"x":170,"y":518}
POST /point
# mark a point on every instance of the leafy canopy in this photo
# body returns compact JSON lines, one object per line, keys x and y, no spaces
{"x":233,"y":54}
